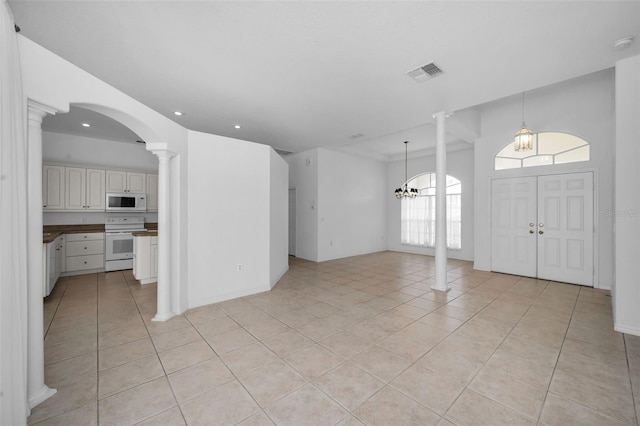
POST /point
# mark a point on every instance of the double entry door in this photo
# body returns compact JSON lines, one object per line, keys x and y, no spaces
{"x":542,"y":227}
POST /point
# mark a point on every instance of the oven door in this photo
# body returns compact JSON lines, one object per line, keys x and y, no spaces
{"x":118,"y":245}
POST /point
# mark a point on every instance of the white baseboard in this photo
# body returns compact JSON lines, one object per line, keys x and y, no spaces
{"x":626,"y":329}
{"x":228,"y":296}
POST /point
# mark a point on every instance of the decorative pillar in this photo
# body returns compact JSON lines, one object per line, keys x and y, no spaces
{"x":37,"y":391}
{"x":164,"y":311}
{"x":441,"y":204}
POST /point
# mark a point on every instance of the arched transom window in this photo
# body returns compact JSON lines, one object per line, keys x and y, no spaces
{"x":548,"y":148}
{"x":419,"y":214}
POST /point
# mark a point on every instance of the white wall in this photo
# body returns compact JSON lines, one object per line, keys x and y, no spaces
{"x":583,"y":107}
{"x":303,"y":176}
{"x":278,"y":217}
{"x":61,"y":148}
{"x":460,"y":166}
{"x":229,"y":218}
{"x":351,"y":205}
{"x":340,"y":204}
{"x":626,"y":297}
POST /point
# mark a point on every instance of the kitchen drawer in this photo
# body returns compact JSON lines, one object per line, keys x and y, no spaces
{"x":81,"y":263}
{"x":85,"y":236}
{"x":81,"y":248}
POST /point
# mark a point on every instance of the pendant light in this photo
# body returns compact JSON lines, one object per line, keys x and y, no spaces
{"x":405,"y":191}
{"x":523,"y":140}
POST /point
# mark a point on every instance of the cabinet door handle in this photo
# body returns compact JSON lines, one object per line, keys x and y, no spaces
{"x":85,"y":248}
{"x":85,"y":263}
{"x":540,"y":232}
{"x":531,"y":231}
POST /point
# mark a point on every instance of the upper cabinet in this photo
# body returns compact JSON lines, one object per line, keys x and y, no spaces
{"x":152,"y":193}
{"x":133,"y":182}
{"x":53,"y":187}
{"x":70,"y":188}
{"x":85,"y":189}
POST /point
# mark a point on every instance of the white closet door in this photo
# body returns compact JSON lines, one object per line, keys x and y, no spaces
{"x":565,"y":228}
{"x":513,"y":219}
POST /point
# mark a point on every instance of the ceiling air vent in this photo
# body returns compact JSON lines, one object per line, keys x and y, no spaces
{"x":425,"y":72}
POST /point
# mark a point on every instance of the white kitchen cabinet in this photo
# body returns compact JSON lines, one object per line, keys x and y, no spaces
{"x":53,"y":187}
{"x":152,"y":193}
{"x":96,"y":198}
{"x":133,"y":182}
{"x":84,"y":252}
{"x":145,"y":259}
{"x":53,"y":259}
{"x":85,"y":189}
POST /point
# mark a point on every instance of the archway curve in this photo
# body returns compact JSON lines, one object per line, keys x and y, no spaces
{"x":133,"y":123}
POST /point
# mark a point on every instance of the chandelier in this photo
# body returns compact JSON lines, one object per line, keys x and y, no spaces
{"x":405,"y":191}
{"x":523,"y":140}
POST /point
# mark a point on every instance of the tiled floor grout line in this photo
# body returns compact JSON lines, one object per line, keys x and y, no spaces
{"x":97,"y":350}
{"x":308,"y":297}
{"x":556,"y":365}
{"x":236,"y":378}
{"x":157,"y":355}
{"x":633,"y":397}
{"x":466,"y":386}
{"x":553,"y":372}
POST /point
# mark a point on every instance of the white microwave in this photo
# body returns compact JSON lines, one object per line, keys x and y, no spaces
{"x":125,"y":202}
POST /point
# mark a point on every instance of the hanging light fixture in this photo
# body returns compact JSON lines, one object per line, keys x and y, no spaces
{"x":405,"y":191}
{"x":523,"y":141}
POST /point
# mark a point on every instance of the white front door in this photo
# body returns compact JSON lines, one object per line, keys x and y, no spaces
{"x":543,"y":227}
{"x":513,"y":217}
{"x":565,"y":228}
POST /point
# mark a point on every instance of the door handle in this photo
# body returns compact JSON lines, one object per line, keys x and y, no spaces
{"x":541,"y":232}
{"x":541,"y":225}
{"x":531,"y":231}
{"x":531,"y":224}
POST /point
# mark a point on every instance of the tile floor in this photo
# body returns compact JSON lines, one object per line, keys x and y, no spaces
{"x":361,"y":340}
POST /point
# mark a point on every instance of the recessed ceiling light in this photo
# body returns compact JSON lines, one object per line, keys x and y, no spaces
{"x":178,"y":113}
{"x":622,"y":43}
{"x":86,"y":125}
{"x":237,"y":126}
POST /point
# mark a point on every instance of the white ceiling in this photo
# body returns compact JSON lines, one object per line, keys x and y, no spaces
{"x":298,"y":75}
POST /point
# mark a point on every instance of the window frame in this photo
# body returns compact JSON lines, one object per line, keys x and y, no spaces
{"x":454,"y":242}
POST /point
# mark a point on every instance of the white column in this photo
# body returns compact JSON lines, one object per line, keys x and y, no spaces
{"x":164,"y":311}
{"x":37,"y":391}
{"x":441,"y":204}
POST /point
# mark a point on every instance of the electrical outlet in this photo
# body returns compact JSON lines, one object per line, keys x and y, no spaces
{"x":239,"y":267}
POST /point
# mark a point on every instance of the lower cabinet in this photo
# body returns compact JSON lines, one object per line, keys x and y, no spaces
{"x":52,"y":261}
{"x":84,"y":252}
{"x":145,"y":259}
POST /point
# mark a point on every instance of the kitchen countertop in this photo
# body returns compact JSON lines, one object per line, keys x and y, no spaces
{"x":148,"y":233}
{"x":51,"y":232}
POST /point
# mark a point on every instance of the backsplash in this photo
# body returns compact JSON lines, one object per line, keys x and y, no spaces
{"x":79,"y":218}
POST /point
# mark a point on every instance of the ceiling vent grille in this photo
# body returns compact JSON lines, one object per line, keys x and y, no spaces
{"x":425,"y":72}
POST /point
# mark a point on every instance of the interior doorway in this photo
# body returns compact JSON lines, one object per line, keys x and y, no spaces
{"x":292,"y":222}
{"x":543,"y":227}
